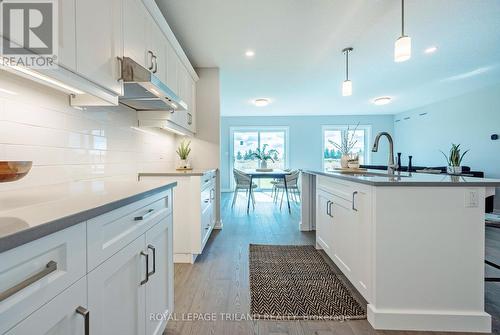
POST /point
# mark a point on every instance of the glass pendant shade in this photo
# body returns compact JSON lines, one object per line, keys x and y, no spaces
{"x":347,"y":88}
{"x":402,"y":49}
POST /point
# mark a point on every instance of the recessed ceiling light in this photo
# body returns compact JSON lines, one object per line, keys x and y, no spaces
{"x":430,"y":50}
{"x":382,"y":101}
{"x":250,"y":53}
{"x":261,"y":102}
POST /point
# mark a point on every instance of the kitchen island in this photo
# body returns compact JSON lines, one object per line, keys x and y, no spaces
{"x":412,"y":245}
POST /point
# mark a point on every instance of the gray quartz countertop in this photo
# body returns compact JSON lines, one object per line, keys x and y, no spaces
{"x":175,"y":173}
{"x":31,"y":213}
{"x":381,"y":178}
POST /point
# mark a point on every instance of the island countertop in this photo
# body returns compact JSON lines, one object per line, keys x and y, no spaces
{"x":31,"y":213}
{"x":381,"y":178}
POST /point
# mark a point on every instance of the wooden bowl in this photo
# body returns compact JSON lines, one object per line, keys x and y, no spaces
{"x":12,"y":171}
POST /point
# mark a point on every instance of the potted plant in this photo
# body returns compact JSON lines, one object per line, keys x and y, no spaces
{"x":264,"y":156}
{"x":183,"y":152}
{"x":347,"y":143}
{"x":454,"y":159}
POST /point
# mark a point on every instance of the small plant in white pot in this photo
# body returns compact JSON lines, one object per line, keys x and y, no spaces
{"x":183,"y":152}
{"x":264,"y":156}
{"x":347,"y":143}
{"x":454,"y":159}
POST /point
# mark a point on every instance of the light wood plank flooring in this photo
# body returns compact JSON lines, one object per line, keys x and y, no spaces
{"x":218,"y":281}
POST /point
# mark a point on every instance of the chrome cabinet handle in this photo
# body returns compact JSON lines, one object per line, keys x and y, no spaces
{"x":147,"y":267}
{"x":150,"y":246}
{"x":212,"y":194}
{"x":49,"y":268}
{"x":190,"y":119}
{"x":155,"y":64}
{"x":328,"y":208}
{"x":86,"y":315}
{"x":145,"y":216}
{"x":353,"y":204}
{"x":151,"y":54}
{"x":207,"y":200}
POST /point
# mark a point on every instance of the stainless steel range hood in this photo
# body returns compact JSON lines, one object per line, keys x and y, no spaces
{"x":143,"y":91}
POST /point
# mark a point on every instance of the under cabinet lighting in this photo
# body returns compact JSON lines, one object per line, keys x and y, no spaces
{"x":43,"y":79}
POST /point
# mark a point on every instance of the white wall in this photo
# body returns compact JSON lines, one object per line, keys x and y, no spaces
{"x":305,"y":136}
{"x":469,"y":119}
{"x":68,"y":144}
{"x":205,"y":144}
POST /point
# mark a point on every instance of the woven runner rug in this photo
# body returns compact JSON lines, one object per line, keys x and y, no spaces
{"x":295,"y":282}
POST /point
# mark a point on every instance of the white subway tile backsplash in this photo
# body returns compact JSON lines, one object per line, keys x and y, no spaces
{"x":68,"y":144}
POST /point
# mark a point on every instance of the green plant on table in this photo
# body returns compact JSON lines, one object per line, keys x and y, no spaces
{"x":263,"y":155}
{"x":455,"y":158}
{"x":184,"y":150}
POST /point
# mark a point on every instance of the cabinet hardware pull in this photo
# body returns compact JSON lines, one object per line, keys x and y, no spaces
{"x":353,"y":204}
{"x":86,"y":315}
{"x":190,"y":119}
{"x":147,"y":267}
{"x":49,"y":268}
{"x":328,"y":208}
{"x":150,"y":246}
{"x":145,"y":216}
{"x":155,"y":64}
{"x":207,"y":200}
{"x":150,"y":67}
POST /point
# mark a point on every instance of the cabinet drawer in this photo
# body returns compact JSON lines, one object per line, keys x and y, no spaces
{"x":109,"y":233}
{"x":34,"y":273}
{"x":207,"y":179}
{"x":59,"y":316}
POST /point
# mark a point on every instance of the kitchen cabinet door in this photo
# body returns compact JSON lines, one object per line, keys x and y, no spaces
{"x":159,"y":49}
{"x":67,"y":26}
{"x":159,"y":288}
{"x":324,"y":222}
{"x":136,"y":34}
{"x":59,"y":316}
{"x":172,"y":61}
{"x":116,"y":297}
{"x":99,"y":41}
{"x":344,"y":234}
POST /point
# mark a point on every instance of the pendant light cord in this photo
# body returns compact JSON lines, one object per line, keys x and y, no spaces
{"x":347,"y":65}
{"x":402,"y":17}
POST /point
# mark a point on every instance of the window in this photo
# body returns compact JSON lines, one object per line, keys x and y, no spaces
{"x":334,"y":134}
{"x":245,"y":141}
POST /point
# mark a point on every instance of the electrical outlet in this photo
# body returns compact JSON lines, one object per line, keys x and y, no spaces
{"x":471,"y":198}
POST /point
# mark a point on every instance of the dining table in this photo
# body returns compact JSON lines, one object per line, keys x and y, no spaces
{"x":267,"y":174}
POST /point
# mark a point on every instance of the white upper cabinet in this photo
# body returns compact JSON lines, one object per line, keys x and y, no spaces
{"x":157,"y":46}
{"x":172,"y":68}
{"x":99,"y":41}
{"x":67,"y":43}
{"x":136,"y":33}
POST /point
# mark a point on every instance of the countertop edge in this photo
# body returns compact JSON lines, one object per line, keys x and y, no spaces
{"x":175,"y":174}
{"x":404,"y":183}
{"x":34,"y":233}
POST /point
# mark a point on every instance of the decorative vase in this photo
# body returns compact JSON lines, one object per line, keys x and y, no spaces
{"x":184,"y":164}
{"x":263,"y":164}
{"x":454,"y":170}
{"x":344,"y":161}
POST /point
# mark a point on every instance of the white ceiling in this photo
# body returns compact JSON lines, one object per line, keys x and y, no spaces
{"x":299,"y":64}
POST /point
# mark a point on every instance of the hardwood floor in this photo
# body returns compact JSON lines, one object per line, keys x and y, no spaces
{"x":212,"y":296}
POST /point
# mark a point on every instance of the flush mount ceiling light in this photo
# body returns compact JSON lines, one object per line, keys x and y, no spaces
{"x":382,"y":101}
{"x":402,"y":47}
{"x":430,"y":50}
{"x":250,"y":53}
{"x":261,"y":102}
{"x":347,"y":84}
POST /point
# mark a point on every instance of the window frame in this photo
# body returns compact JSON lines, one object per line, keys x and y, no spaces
{"x":343,"y":128}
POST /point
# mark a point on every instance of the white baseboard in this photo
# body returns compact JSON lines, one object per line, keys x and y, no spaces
{"x":429,"y":320}
{"x":185,"y":258}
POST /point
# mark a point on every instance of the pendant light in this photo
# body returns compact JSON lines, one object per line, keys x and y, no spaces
{"x":402,"y":47}
{"x":347,"y":84}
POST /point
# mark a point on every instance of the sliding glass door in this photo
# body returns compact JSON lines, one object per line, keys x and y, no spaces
{"x":246,"y":141}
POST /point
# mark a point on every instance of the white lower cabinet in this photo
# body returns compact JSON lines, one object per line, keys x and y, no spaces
{"x":66,"y":314}
{"x":129,"y":291}
{"x":343,"y":229}
{"x":116,"y":295}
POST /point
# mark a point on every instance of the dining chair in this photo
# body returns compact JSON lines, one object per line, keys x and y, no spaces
{"x":292,"y":183}
{"x":242,"y":181}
